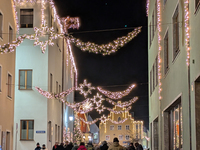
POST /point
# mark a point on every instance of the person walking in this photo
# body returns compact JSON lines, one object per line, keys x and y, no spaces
{"x":55,"y":146}
{"x":44,"y":147}
{"x":138,"y":146}
{"x":38,"y":146}
{"x":75,"y":146}
{"x":116,"y":145}
{"x":104,"y":146}
{"x":131,"y":147}
{"x":61,"y":147}
{"x":69,"y":146}
{"x":82,"y":146}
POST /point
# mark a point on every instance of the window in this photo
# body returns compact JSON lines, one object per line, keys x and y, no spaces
{"x":165,"y":2}
{"x":52,"y":21}
{"x":127,"y":127}
{"x":176,"y":33}
{"x":56,"y":86}
{"x":10,"y":34}
{"x":51,"y":82}
{"x":197,"y":3}
{"x":0,"y":77}
{"x":112,"y":127}
{"x":1,"y":25}
{"x":25,"y":79}
{"x":26,"y":18}
{"x":49,"y":128}
{"x":119,"y":119}
{"x":166,"y":53}
{"x":150,"y":34}
{"x":107,"y":137}
{"x":7,"y":140}
{"x":151,"y":82}
{"x":120,"y":137}
{"x":153,"y":26}
{"x":127,"y":137}
{"x":9,"y":85}
{"x":27,"y":129}
{"x":59,"y":88}
{"x":59,"y":134}
{"x":119,"y":127}
{"x":155,"y":134}
{"x":56,"y":133}
{"x":156,"y":71}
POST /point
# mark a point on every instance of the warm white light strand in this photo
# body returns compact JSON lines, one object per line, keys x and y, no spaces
{"x":147,"y":7}
{"x":85,"y":85}
{"x":124,"y":104}
{"x":116,"y":95}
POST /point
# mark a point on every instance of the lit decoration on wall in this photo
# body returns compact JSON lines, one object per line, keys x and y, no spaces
{"x":10,"y":47}
{"x":159,"y":48}
{"x":119,"y":112}
{"x":70,"y":23}
{"x":64,"y":135}
{"x":51,"y":95}
{"x":98,"y":99}
{"x":87,"y":105}
{"x":187,"y":31}
{"x":15,"y":15}
{"x":124,"y":104}
{"x":105,"y":49}
{"x":147,"y":7}
{"x":85,"y":88}
{"x":78,"y":135}
{"x":116,"y":95}
{"x":100,"y":108}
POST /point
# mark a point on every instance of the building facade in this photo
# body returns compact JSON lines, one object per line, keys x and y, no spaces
{"x":7,"y":75}
{"x":173,"y":52}
{"x":36,"y":117}
{"x":122,"y":126}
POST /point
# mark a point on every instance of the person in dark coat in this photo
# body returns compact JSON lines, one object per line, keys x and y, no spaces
{"x":38,"y":146}
{"x":138,"y":146}
{"x":55,"y":146}
{"x":104,"y":146}
{"x":61,"y":147}
{"x":82,"y":146}
{"x":69,"y":146}
{"x":131,"y":147}
{"x":75,"y":146}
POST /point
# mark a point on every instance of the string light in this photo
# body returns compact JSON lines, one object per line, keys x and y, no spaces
{"x":124,"y":104}
{"x":70,"y":23}
{"x":187,"y":31}
{"x":85,"y":85}
{"x":15,"y":15}
{"x":147,"y":7}
{"x":119,"y":112}
{"x":100,"y":108}
{"x":116,"y":95}
{"x":98,"y":99}
{"x":159,"y":48}
{"x":105,"y":49}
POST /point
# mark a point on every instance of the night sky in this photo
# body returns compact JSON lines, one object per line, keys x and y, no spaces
{"x":117,"y":71}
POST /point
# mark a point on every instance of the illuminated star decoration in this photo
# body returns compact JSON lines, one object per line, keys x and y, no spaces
{"x":70,"y":23}
{"x":83,"y":86}
{"x":116,"y":95}
{"x":100,"y":108}
{"x":87,"y":105}
{"x":97,"y":99}
{"x":103,"y":119}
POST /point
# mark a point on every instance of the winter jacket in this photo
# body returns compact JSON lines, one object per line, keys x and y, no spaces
{"x":75,"y":147}
{"x":131,"y":148}
{"x":116,"y":146}
{"x":104,"y":147}
{"x":38,"y":148}
{"x":55,"y":147}
{"x":82,"y":147}
{"x":139,"y":147}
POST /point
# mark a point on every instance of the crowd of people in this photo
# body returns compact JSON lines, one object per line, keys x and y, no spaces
{"x":104,"y":146}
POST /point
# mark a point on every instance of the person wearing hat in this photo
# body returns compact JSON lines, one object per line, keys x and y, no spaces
{"x":43,"y":147}
{"x":104,"y":146}
{"x":38,"y":146}
{"x":115,"y":145}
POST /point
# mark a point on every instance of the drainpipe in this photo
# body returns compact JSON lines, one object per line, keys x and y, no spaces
{"x":62,"y":90}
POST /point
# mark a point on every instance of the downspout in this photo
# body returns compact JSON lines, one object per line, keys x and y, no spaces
{"x":62,"y":110}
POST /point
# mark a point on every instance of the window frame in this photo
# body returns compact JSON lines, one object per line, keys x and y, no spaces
{"x":121,"y":137}
{"x":112,"y":127}
{"x":166,"y":52}
{"x":0,"y":78}
{"x":9,"y":83}
{"x":108,"y":137}
{"x":10,"y":37}
{"x":1,"y":26}
{"x":27,"y":25}
{"x":51,"y":83}
{"x":25,"y":79}
{"x":126,"y":127}
{"x":128,"y":137}
{"x":119,"y":126}
{"x":26,"y":131}
{"x":197,"y":5}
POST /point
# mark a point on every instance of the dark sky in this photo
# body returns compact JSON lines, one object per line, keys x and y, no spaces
{"x":116,"y":71}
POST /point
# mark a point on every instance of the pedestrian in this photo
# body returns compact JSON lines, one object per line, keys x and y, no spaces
{"x":104,"y":146}
{"x":90,"y":146}
{"x":82,"y":146}
{"x":69,"y":146}
{"x":66,"y":143}
{"x":131,"y":147}
{"x":138,"y":146}
{"x":75,"y":146}
{"x":38,"y":146}
{"x":44,"y":147}
{"x":61,"y":147}
{"x":116,"y":145}
{"x":55,"y":146}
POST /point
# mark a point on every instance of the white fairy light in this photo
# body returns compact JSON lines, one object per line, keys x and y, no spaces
{"x":124,"y":104}
{"x":98,"y":99}
{"x":116,"y":95}
{"x":85,"y":85}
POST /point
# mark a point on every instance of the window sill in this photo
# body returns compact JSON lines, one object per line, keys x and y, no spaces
{"x":26,"y":140}
{"x":25,"y":89}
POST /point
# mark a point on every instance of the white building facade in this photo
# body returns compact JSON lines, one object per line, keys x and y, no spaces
{"x":173,"y":74}
{"x":7,"y":75}
{"x":37,"y":118}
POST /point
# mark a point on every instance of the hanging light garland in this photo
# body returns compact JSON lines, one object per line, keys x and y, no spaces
{"x":124,"y":104}
{"x":116,"y":95}
{"x":70,"y":23}
{"x":100,"y":108}
{"x":147,"y":7}
{"x":105,"y":49}
{"x":119,"y":111}
{"x":85,"y":85}
{"x":97,"y":99}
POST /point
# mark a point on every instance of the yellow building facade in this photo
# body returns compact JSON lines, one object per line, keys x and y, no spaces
{"x":122,"y":126}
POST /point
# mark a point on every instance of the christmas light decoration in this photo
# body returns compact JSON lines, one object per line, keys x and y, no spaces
{"x":98,"y":99}
{"x":124,"y":104}
{"x":10,"y":47}
{"x":87,"y":105}
{"x":116,"y":95}
{"x":78,"y":135}
{"x":100,"y":108}
{"x":187,"y":31}
{"x":88,"y":87}
{"x":147,"y":7}
{"x":70,"y":23}
{"x":15,"y":15}
{"x":51,"y":95}
{"x":119,"y":112}
{"x":64,"y":135}
{"x":159,"y":48}
{"x":105,"y":49}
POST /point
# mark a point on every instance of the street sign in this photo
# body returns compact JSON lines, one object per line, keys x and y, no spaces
{"x":40,"y":131}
